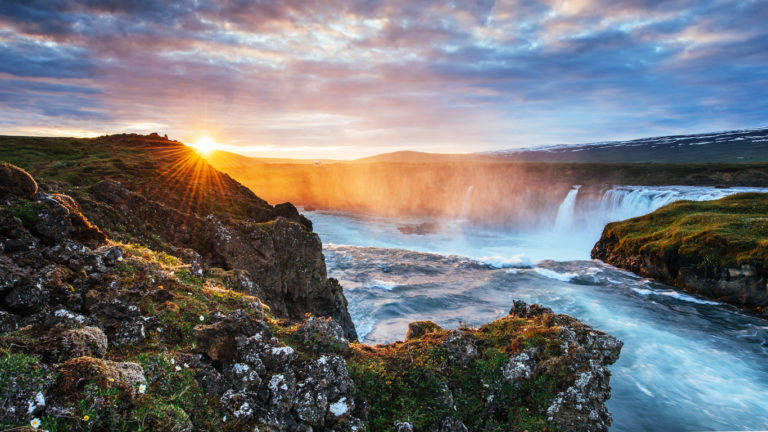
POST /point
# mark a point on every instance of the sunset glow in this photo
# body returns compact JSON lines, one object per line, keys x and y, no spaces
{"x":205,"y":145}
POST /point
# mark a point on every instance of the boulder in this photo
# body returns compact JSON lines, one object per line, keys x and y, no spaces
{"x":322,"y":335}
{"x":57,"y":344}
{"x":219,"y":340}
{"x":61,"y":218}
{"x":417,"y":329}
{"x":77,"y":373}
{"x":460,"y":347}
{"x":289,"y":211}
{"x":524,"y":310}
{"x":16,"y":183}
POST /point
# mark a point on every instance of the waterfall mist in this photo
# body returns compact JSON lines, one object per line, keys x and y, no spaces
{"x":561,"y":206}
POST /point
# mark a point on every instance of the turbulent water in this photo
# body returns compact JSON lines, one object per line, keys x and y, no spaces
{"x":687,"y":364}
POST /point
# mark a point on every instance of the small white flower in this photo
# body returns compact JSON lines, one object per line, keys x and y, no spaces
{"x":224,"y":419}
{"x":202,"y":318}
{"x":35,"y":423}
{"x":142,"y":388}
{"x":186,"y":365}
{"x":173,"y":361}
{"x":178,"y":368}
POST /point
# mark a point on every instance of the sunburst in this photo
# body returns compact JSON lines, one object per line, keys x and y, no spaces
{"x":205,"y":145}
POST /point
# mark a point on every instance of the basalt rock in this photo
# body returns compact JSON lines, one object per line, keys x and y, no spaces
{"x":16,"y":183}
{"x":78,"y":373}
{"x":262,"y":381}
{"x":279,"y":261}
{"x":745,"y":286}
{"x":59,"y":343}
{"x":529,"y":367}
{"x":418,"y":329}
{"x":322,"y":335}
{"x":60,"y":218}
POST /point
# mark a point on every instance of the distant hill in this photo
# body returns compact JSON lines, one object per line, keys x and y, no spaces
{"x":749,"y":145}
{"x":407,"y":156}
{"x":221,"y":159}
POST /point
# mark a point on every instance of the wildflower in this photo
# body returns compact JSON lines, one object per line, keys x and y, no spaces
{"x":142,"y":388}
{"x":173,"y":360}
{"x":86,"y":417}
{"x":35,"y":423}
{"x":186,"y":365}
{"x":202,"y":318}
{"x":178,"y":368}
{"x":111,"y":379}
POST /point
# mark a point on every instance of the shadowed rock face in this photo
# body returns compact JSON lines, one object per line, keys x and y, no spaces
{"x":743,"y":286}
{"x":282,"y":261}
{"x":714,"y":248}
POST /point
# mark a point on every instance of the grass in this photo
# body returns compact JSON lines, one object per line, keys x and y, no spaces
{"x":162,"y":170}
{"x":28,"y":212}
{"x":728,"y":232}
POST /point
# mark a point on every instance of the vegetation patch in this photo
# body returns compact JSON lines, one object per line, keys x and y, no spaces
{"x":728,"y":232}
{"x":419,"y":380}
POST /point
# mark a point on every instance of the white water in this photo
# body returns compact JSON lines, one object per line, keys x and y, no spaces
{"x":688,"y":363}
{"x":564,"y":218}
{"x":569,"y":236}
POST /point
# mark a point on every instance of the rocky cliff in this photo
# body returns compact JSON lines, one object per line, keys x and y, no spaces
{"x":98,"y":331}
{"x":716,"y":249}
{"x":162,"y":194}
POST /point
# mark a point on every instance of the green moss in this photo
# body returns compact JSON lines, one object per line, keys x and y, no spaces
{"x":28,"y":212}
{"x":20,"y":371}
{"x":172,"y":394}
{"x":408,"y":381}
{"x":724,"y":233}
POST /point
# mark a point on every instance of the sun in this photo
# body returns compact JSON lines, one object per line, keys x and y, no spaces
{"x":205,"y":145}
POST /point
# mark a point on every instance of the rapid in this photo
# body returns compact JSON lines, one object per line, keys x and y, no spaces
{"x":688,"y":363}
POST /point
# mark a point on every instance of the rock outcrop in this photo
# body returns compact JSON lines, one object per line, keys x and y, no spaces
{"x":531,"y":369}
{"x":281,"y":262}
{"x":16,"y":183}
{"x":745,"y":286}
{"x":714,"y":249}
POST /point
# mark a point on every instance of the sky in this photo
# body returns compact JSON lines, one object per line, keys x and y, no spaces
{"x":345,"y":79}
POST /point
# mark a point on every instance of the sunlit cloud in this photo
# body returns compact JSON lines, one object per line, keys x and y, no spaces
{"x":336,"y":79}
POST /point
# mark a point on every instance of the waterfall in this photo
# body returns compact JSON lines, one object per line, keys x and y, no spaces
{"x":465,"y":204}
{"x":565,"y":212}
{"x":624,"y":202}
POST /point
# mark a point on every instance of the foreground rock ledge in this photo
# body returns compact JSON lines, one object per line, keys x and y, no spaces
{"x":530,"y":370}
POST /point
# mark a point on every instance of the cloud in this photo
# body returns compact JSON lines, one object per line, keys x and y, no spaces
{"x":461,"y":76}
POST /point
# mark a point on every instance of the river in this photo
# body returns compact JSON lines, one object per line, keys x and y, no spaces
{"x":688,"y":363}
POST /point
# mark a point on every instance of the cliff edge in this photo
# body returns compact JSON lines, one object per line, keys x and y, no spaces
{"x":162,"y":194}
{"x":713,"y":248}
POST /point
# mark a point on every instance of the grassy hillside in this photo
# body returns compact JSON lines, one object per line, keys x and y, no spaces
{"x":728,"y":232}
{"x":160,"y":169}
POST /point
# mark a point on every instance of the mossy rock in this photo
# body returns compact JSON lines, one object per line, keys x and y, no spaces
{"x":417,"y":329}
{"x":16,"y":183}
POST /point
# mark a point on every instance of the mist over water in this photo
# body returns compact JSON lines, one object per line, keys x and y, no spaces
{"x":688,"y":363}
{"x":566,"y":231}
